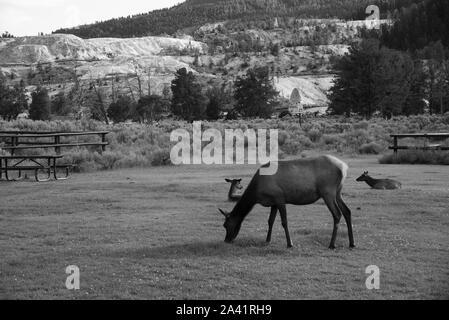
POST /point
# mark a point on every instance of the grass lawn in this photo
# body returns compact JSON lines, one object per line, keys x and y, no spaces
{"x":156,"y":234}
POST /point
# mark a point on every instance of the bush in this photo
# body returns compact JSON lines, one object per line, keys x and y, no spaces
{"x":416,"y":157}
{"x":161,"y":158}
{"x":331,"y":139}
{"x":314,"y":135}
{"x":143,"y":145}
{"x":371,"y":148}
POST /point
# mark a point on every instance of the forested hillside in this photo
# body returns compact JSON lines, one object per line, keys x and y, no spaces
{"x":419,"y":25}
{"x":195,"y":13}
{"x":402,"y":69}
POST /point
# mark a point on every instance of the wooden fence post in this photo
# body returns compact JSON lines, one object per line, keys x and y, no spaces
{"x":57,"y":142}
{"x":103,"y":140}
{"x":395,"y":146}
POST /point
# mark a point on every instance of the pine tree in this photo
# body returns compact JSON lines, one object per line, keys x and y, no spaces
{"x":219,"y":100}
{"x":40,"y":105}
{"x":150,"y":108}
{"x":120,"y":110}
{"x":12,"y":101}
{"x":188,"y":101}
{"x":255,"y":95}
{"x":372,"y":79}
{"x":415,"y":101}
{"x":355,"y":89}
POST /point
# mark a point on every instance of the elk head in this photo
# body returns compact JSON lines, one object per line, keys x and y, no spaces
{"x":232,"y":226}
{"x":235,"y":183}
{"x":363,"y":177}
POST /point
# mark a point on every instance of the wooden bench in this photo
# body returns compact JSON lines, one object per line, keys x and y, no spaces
{"x":38,"y":163}
{"x":13,"y":141}
{"x":427,"y":146}
{"x":23,"y":140}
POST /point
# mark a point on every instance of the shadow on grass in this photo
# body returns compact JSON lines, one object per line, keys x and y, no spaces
{"x":308,"y":242}
{"x":242,"y":247}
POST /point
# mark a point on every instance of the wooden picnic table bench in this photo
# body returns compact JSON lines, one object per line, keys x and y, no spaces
{"x":427,"y":146}
{"x":23,"y":140}
{"x":45,"y":163}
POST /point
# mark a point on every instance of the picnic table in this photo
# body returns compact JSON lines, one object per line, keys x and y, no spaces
{"x":20,"y":141}
{"x":24,"y":140}
{"x":426,"y":146}
{"x":36,"y":163}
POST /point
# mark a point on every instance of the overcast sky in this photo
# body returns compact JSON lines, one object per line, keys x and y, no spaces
{"x":29,"y":17}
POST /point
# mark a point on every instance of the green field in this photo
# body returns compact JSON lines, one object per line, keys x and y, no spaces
{"x":156,"y":234}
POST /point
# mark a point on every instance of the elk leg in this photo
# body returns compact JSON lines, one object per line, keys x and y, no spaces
{"x":283,"y":212}
{"x":347,"y":215}
{"x":331,"y":203}
{"x":274,"y":210}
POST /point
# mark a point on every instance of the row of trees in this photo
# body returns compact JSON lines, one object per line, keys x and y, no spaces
{"x":374,"y":78}
{"x":401,"y":70}
{"x":14,"y":101}
{"x":6,"y":35}
{"x":241,"y":14}
{"x":253,"y":95}
{"x":418,"y":25}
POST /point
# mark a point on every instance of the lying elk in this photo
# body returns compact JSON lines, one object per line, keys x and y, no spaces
{"x":380,"y":184}
{"x":297,"y":182}
{"x":233,"y":193}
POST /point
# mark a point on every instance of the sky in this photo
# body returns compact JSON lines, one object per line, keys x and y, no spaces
{"x":30,"y":17}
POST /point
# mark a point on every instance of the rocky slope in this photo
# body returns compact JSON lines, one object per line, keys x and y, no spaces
{"x":133,"y":65}
{"x":59,"y":60}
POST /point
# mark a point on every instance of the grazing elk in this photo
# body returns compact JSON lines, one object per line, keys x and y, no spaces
{"x":297,"y":182}
{"x":233,"y":193}
{"x":380,"y":184}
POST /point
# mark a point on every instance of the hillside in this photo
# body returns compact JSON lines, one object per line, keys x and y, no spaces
{"x":238,"y":14}
{"x":211,"y":38}
{"x":28,"y":50}
{"x":61,"y":61}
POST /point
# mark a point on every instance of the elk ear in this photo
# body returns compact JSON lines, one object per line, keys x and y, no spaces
{"x":227,"y":180}
{"x":224,"y":213}
{"x":239,"y":180}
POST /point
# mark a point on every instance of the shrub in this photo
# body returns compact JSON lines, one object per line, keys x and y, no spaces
{"x":371,"y":148}
{"x":144,"y":145}
{"x":362,"y":125}
{"x":314,"y":135}
{"x":416,"y":157}
{"x":283,"y":138}
{"x":161,"y":158}
{"x":446,"y":118}
{"x":331,"y":139}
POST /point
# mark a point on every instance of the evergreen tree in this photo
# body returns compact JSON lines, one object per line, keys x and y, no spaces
{"x":255,"y":95}
{"x":373,"y":79}
{"x":120,"y":110}
{"x":419,"y":24}
{"x":59,"y":105}
{"x":355,"y":88}
{"x":393,"y":77}
{"x":12,"y":101}
{"x":188,"y":102}
{"x":435,"y":58}
{"x":415,"y":101}
{"x":150,"y":108}
{"x":40,"y":105}
{"x":219,"y":100}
